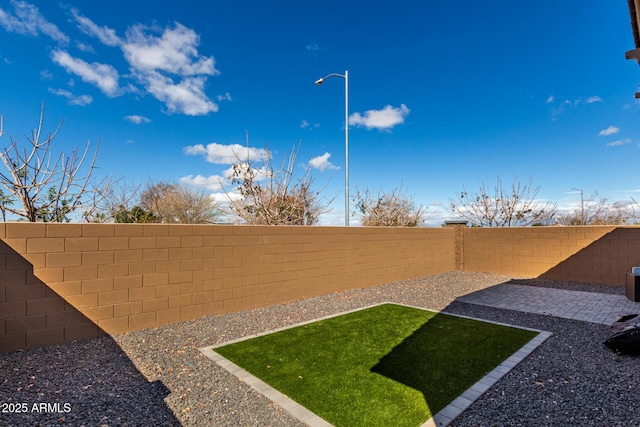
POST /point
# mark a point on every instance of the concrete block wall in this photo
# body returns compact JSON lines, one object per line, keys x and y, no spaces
{"x":593,"y":254}
{"x":61,"y":282}
{"x":605,"y":260}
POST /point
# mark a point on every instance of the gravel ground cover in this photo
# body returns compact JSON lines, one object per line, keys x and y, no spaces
{"x":159,"y":377}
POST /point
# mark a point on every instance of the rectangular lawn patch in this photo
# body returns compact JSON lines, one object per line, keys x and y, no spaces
{"x":384,"y":365}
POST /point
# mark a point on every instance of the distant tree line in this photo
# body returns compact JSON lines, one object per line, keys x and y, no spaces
{"x":517,"y":206}
{"x":39,"y":184}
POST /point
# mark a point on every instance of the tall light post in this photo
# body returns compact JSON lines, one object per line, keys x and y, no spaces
{"x":581,"y":203}
{"x":345,"y":76}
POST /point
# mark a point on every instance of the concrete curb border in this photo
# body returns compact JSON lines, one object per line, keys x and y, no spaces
{"x":442,"y":419}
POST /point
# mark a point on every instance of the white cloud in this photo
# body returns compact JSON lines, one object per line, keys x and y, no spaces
{"x":174,"y":52}
{"x":226,"y":154}
{"x":163,"y":62}
{"x":81,"y":100}
{"x":28,"y":21}
{"x":186,"y":97}
{"x":315,"y":48}
{"x":223,"y":198}
{"x":104,"y":76}
{"x":383,"y":119}
{"x":195,"y":150}
{"x":225,"y":97}
{"x":106,"y":35}
{"x":212,"y":182}
{"x":608,"y":131}
{"x":85,"y":47}
{"x":259,"y":174}
{"x":218,"y":183}
{"x":619,"y":142}
{"x":137,"y":119}
{"x":568,"y":105}
{"x":305,"y":124}
{"x":322,"y":163}
{"x":166,"y":62}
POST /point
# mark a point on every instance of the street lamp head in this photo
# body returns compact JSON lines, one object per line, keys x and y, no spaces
{"x":346,"y":139}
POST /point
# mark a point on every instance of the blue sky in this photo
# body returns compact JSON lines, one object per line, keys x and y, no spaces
{"x":441,"y":94}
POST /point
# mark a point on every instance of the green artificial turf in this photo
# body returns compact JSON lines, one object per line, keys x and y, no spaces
{"x":381,"y":366}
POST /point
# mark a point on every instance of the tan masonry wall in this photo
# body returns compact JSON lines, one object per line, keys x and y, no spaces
{"x":61,"y":282}
{"x":593,"y":254}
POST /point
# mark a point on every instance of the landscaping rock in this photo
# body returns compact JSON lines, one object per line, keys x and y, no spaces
{"x":159,"y":377}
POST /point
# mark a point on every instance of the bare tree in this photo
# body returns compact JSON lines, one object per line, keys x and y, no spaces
{"x":506,"y":207}
{"x":185,"y":205}
{"x":174,"y":203}
{"x":394,"y":209}
{"x":151,"y":198}
{"x":39,"y":185}
{"x":599,"y":210}
{"x":270,"y":196}
{"x":118,"y":203}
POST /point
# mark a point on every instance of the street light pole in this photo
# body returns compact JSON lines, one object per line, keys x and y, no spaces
{"x":582,"y":206}
{"x":345,"y":76}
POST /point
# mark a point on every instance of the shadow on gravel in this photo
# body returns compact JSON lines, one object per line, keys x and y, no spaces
{"x":90,"y":382}
{"x":71,"y":373}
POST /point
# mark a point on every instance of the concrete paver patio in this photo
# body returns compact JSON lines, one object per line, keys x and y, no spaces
{"x":576,"y":305}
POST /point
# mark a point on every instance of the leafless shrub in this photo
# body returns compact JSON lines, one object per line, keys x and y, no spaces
{"x":505,"y":207}
{"x":118,"y":204}
{"x":270,"y":196}
{"x":388,"y":209}
{"x":599,"y":210}
{"x":176,"y":203}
